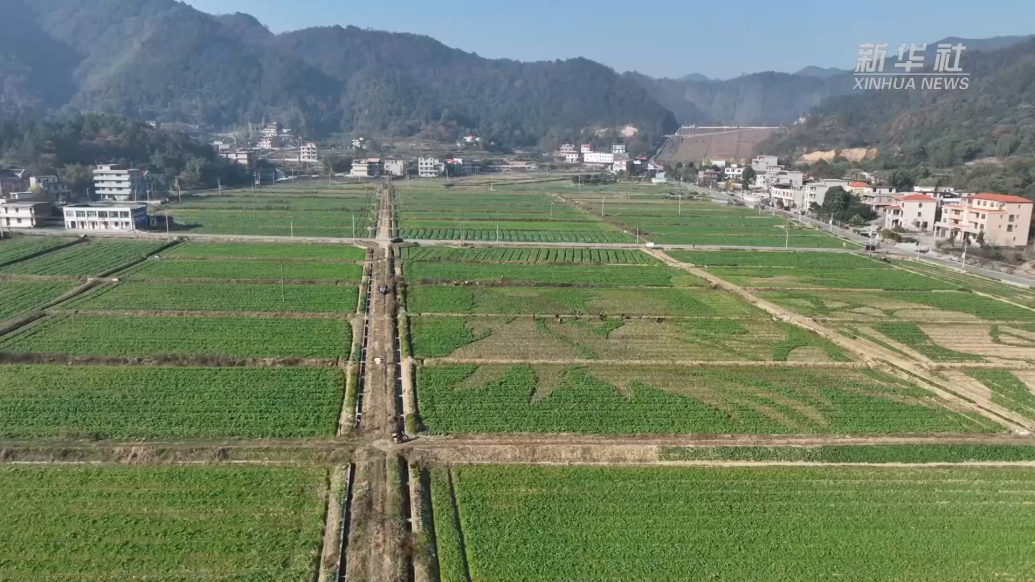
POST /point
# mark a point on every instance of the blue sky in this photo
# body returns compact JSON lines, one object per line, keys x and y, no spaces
{"x":663,"y":37}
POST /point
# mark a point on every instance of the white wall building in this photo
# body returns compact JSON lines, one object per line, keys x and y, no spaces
{"x":734,"y":172}
{"x":395,"y":168}
{"x":242,"y":157}
{"x":124,"y":217}
{"x":112,"y":183}
{"x":761,"y":164}
{"x":429,"y":168}
{"x":572,"y":158}
{"x":598,"y":158}
{"x":618,"y":148}
{"x":568,"y":149}
{"x":816,"y":192}
{"x":912,"y":212}
{"x":51,"y":185}
{"x":307,"y":153}
{"x":368,"y":168}
{"x":586,"y":148}
{"x":269,"y":143}
{"x":24,"y":214}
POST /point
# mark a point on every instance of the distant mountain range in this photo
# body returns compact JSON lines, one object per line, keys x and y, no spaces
{"x":772,"y":98}
{"x":163,"y":60}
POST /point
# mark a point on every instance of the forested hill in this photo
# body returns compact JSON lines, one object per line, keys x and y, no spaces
{"x":994,"y":117}
{"x":163,"y":60}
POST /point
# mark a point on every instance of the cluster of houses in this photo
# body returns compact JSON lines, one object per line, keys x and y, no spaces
{"x":616,"y":161}
{"x":28,"y":202}
{"x":435,"y":167}
{"x":1000,"y":220}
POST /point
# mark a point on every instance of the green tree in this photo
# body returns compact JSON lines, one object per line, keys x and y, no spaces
{"x":78,"y":176}
{"x":748,"y":177}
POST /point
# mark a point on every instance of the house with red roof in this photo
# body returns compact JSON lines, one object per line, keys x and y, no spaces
{"x":1003,"y":219}
{"x":911,"y":212}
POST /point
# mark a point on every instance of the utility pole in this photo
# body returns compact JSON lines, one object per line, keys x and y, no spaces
{"x":292,"y":230}
{"x":353,"y":226}
{"x":497,"y":234}
{"x":167,"y":235}
{"x":602,"y":201}
{"x":966,"y":244}
{"x":787,"y":240}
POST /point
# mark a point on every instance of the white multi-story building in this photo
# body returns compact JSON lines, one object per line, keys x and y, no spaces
{"x":586,"y":148}
{"x":621,"y":164}
{"x":395,"y":168}
{"x":368,"y":168}
{"x":787,"y":197}
{"x":1004,"y":219}
{"x":25,"y":214}
{"x":307,"y":153}
{"x":816,"y":192}
{"x":568,"y":149}
{"x":618,"y":148}
{"x":269,"y":143}
{"x":912,"y":212}
{"x":572,"y":158}
{"x":429,"y":168}
{"x":242,"y":157}
{"x":787,"y":178}
{"x":734,"y":172}
{"x":112,"y":183}
{"x":598,"y":158}
{"x":50,"y":185}
{"x":271,"y":130}
{"x":761,"y":164}
{"x":124,"y":217}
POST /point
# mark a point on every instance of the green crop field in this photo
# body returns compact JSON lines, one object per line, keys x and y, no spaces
{"x":1022,"y":295}
{"x":561,"y":256}
{"x":92,"y":258}
{"x":1008,"y":391}
{"x":267,"y":251}
{"x":764,"y":524}
{"x":17,"y":295}
{"x":906,"y":305}
{"x":251,"y":297}
{"x":486,"y":338}
{"x":676,"y":400}
{"x":175,"y":524}
{"x":869,"y":454}
{"x":250,"y":269}
{"x":15,"y":249}
{"x":794,"y":259}
{"x":600,"y":301}
{"x":130,"y":402}
{"x":909,"y":334}
{"x":245,"y":337}
{"x":574,"y":275}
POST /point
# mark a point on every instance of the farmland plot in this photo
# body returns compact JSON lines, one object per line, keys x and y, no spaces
{"x":227,"y":250}
{"x":245,"y":337}
{"x":17,"y":296}
{"x":240,"y":269}
{"x":525,"y":338}
{"x":921,"y":306}
{"x":131,"y":402}
{"x":1013,"y":390}
{"x":16,"y":249}
{"x":248,"y":297}
{"x":676,"y":400}
{"x":564,"y":256}
{"x":768,"y":524}
{"x":569,"y":275}
{"x":92,"y":258}
{"x":682,"y":302}
{"x":179,"y":524}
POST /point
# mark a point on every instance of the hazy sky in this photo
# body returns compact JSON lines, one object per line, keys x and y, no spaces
{"x":663,"y":37}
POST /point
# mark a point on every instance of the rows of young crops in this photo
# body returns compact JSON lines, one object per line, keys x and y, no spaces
{"x":215,"y":337}
{"x":17,"y":248}
{"x":530,"y":255}
{"x":253,"y":297}
{"x":1022,"y":295}
{"x":793,"y":259}
{"x":92,"y":258}
{"x":177,"y":524}
{"x":871,"y":454}
{"x":610,"y":275}
{"x":531,"y":234}
{"x":256,"y":250}
{"x":773,"y":524}
{"x":829,"y":278}
{"x":1008,"y":390}
{"x":250,"y":269}
{"x":616,"y":339}
{"x":131,"y":402}
{"x":797,"y":240}
{"x":676,"y":400}
{"x":909,"y":305}
{"x":17,"y":296}
{"x":614,"y":302}
{"x":909,"y":334}
{"x":275,"y":223}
